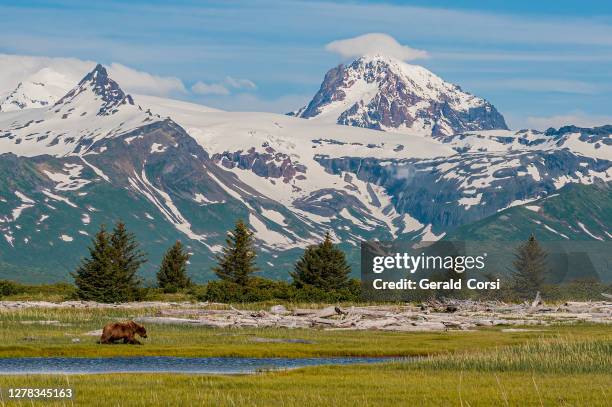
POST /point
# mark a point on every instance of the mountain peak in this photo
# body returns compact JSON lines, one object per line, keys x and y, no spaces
{"x":41,"y":89}
{"x":98,"y":74}
{"x":385,"y":93}
{"x":103,"y":88}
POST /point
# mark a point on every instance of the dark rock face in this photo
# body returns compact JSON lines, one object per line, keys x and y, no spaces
{"x":484,"y":117}
{"x":327,"y":93}
{"x":270,"y":164}
{"x":402,"y":102}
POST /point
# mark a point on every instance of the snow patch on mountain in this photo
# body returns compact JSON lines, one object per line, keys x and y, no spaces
{"x":66,"y":238}
{"x":588,"y":232}
{"x":70,"y":180}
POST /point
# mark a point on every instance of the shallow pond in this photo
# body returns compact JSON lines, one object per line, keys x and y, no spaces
{"x":164,"y":364}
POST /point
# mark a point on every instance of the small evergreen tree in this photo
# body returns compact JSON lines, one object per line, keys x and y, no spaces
{"x":94,"y":276}
{"x":127,"y":258}
{"x":529,"y":268}
{"x":237,"y":262}
{"x":323,"y":266}
{"x":109,"y":273}
{"x":172,"y":274}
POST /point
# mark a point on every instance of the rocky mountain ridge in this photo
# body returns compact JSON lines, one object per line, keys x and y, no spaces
{"x":383,"y":93}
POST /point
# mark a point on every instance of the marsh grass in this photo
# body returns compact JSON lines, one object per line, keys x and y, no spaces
{"x":330,"y":386}
{"x":29,"y":332}
{"x":563,"y":365}
{"x":563,"y":354}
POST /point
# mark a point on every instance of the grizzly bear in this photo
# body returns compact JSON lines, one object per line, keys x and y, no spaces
{"x":126,"y":331}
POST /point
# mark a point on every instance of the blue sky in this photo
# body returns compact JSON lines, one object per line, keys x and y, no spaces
{"x":541,"y":63}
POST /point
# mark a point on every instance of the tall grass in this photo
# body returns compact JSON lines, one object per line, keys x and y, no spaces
{"x":551,"y":355}
{"x":564,"y":366}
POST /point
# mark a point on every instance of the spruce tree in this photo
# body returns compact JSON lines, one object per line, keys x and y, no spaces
{"x":94,"y":278}
{"x":529,"y":268}
{"x":237,"y":261}
{"x":323,"y":266}
{"x":172,"y":274}
{"x":109,"y":273}
{"x":127,"y":258}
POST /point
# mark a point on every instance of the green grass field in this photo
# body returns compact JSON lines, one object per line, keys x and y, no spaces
{"x":26,"y":332}
{"x":556,"y":365}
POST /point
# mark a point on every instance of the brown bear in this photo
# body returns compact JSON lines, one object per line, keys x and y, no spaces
{"x":126,"y":331}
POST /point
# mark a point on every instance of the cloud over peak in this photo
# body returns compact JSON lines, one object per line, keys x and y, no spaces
{"x":17,"y":68}
{"x":224,"y":87}
{"x":144,"y":82}
{"x":374,"y":44}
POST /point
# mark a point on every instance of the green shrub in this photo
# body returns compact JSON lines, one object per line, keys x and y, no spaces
{"x":8,"y":287}
{"x":579,"y":290}
{"x":51,"y":292}
{"x":262,"y":289}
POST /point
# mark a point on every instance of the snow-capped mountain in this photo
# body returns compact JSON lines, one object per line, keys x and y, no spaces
{"x":40,"y":89}
{"x":95,"y":108}
{"x":177,"y":170}
{"x":387,"y":94}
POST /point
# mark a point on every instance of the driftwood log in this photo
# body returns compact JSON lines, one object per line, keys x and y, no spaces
{"x":433,"y":315}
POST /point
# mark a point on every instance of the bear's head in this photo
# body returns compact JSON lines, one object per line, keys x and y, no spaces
{"x":140,"y":330}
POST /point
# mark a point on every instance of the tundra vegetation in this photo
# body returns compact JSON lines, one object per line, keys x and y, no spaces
{"x":547,"y":354}
{"x":551,"y":365}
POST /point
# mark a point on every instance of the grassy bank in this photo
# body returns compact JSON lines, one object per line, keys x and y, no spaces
{"x":540,"y":372}
{"x":63,"y":332}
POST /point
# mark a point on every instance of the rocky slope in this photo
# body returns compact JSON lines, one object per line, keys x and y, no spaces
{"x":387,"y":94}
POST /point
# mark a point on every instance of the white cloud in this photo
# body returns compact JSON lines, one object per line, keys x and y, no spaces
{"x":17,"y":68}
{"x":202,"y":88}
{"x":240,"y":83}
{"x":145,"y":83}
{"x":249,"y":102}
{"x":374,"y":44}
{"x":224,"y":87}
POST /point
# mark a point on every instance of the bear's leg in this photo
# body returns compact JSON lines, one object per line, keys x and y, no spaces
{"x":134,"y":341}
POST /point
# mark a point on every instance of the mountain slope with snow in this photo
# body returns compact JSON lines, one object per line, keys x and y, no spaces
{"x":575,"y":212}
{"x":176,"y":170}
{"x":384,"y":93}
{"x":95,"y":108}
{"x":40,"y":89}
